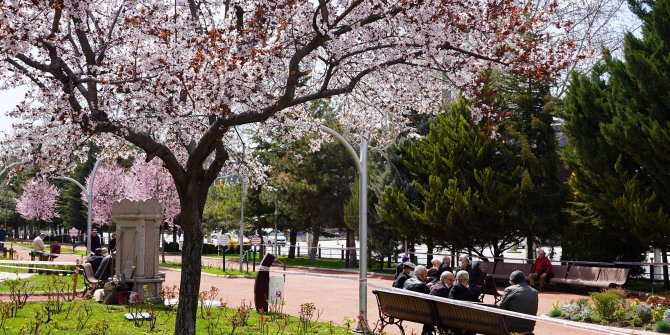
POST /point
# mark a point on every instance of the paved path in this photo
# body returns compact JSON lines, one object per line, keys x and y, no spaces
{"x":336,"y":297}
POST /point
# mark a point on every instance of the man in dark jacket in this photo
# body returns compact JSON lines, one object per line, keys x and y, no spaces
{"x":444,"y":285}
{"x":519,"y":297}
{"x":406,"y":273}
{"x":476,"y":275}
{"x":418,"y":284}
{"x":96,"y":259}
{"x":96,"y":241}
{"x":462,"y":291}
{"x":398,"y":268}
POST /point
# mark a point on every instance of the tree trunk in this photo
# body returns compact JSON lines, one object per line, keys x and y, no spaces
{"x":161,"y":231}
{"x":429,"y":257}
{"x":293,"y":240}
{"x":174,"y":234}
{"x":529,"y":247}
{"x":666,"y":278}
{"x":189,"y":288}
{"x":351,"y":248}
{"x":313,"y":243}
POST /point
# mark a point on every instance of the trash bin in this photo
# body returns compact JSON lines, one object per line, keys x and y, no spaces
{"x":55,"y":248}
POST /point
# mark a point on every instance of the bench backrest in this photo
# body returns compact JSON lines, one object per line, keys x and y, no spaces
{"x":615,"y":276}
{"x":559,"y":271}
{"x":88,"y":272}
{"x":583,"y":273}
{"x":505,"y":269}
{"x":461,"y":317}
{"x":486,"y":266}
{"x":405,"y":307}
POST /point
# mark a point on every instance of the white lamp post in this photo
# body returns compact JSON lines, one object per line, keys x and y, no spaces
{"x":89,"y":198}
{"x":362,"y":165}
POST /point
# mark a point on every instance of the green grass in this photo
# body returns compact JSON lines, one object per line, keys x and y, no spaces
{"x":109,"y":320}
{"x":643,"y":285}
{"x":44,"y":282}
{"x":325,"y":263}
{"x":211,"y":269}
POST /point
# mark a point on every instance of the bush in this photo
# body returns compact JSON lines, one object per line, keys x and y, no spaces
{"x":171,"y":247}
{"x":209,"y":248}
{"x":636,"y":322}
{"x":605,"y":304}
{"x":662,"y":327}
{"x":658,"y":314}
{"x":555,"y":313}
{"x":643,"y":312}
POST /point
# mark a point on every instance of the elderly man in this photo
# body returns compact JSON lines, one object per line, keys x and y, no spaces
{"x":444,"y":285}
{"x":407,"y":268}
{"x":476,"y":275}
{"x":519,"y":297}
{"x":38,"y":243}
{"x":541,"y":270}
{"x":461,"y":290}
{"x":418,"y":284}
{"x":399,"y":267}
{"x":434,"y":272}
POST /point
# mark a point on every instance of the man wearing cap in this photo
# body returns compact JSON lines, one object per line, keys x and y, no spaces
{"x":398,"y":268}
{"x":38,"y":243}
{"x":519,"y":297}
{"x":406,"y":273}
{"x":96,"y":242}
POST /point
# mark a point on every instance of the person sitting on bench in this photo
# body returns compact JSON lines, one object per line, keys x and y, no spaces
{"x":418,"y":284}
{"x":96,"y":259}
{"x":406,"y":273}
{"x":38,"y":243}
{"x":541,"y":270}
{"x":519,"y":297}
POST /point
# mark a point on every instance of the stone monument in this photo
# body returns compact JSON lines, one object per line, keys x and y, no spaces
{"x":138,"y":235}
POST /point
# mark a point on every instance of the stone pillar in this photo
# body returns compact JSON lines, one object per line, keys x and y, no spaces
{"x":137,"y":234}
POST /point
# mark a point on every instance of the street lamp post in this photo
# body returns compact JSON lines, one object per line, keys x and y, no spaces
{"x":362,"y":165}
{"x":89,"y":198}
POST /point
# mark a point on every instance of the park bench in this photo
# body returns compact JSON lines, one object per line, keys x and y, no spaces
{"x":578,"y":275}
{"x":490,"y":289}
{"x":42,"y":256}
{"x":503,"y":270}
{"x":611,"y":277}
{"x":395,"y":308}
{"x":90,"y":282}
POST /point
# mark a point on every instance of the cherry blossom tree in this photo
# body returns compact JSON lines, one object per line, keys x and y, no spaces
{"x":109,"y":186}
{"x":176,"y":79}
{"x":150,"y":180}
{"x":142,"y":181}
{"x":38,"y":201}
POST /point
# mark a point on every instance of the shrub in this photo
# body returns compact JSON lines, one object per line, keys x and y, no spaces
{"x":643,"y":312}
{"x":171,"y":247}
{"x":555,"y":313}
{"x":605,"y":304}
{"x":662,"y":327}
{"x":658,"y":314}
{"x":636,"y":322}
{"x":209,"y":248}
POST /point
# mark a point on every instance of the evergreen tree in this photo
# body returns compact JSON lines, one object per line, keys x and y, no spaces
{"x":639,"y":97}
{"x":470,"y":194}
{"x":597,"y":231}
{"x":529,"y":133}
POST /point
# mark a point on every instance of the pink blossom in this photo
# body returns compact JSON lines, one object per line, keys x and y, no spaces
{"x":38,"y":201}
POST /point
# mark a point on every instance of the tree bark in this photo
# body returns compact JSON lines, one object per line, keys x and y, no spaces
{"x":313,"y":243}
{"x":666,"y":277}
{"x":351,"y":248}
{"x":293,"y":240}
{"x":529,"y":247}
{"x":189,"y":288}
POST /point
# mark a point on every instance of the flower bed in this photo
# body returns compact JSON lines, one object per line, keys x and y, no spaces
{"x":611,"y":308}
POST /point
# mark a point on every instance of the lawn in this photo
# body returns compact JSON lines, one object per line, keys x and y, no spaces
{"x":44,"y":283}
{"x":212,"y":269}
{"x":643,"y":285}
{"x":87,"y":317}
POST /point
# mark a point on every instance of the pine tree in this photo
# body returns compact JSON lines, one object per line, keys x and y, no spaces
{"x":597,"y":231}
{"x":639,"y":97}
